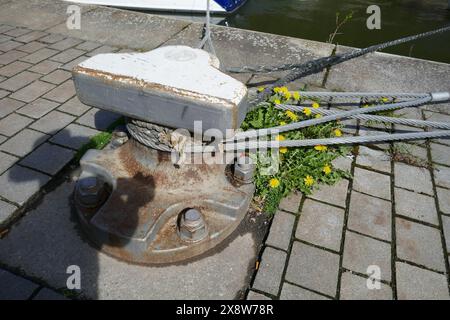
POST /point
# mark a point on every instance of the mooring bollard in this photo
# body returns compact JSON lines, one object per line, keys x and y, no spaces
{"x":146,"y":209}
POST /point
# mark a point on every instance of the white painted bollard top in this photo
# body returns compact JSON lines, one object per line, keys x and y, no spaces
{"x":171,"y":86}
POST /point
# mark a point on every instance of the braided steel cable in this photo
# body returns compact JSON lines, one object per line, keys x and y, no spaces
{"x":315,"y":66}
{"x":370,"y":117}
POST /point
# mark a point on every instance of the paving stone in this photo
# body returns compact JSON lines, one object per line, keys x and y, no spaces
{"x":52,"y":122}
{"x":361,"y":252}
{"x":414,"y":283}
{"x":17,"y":32}
{"x":45,"y":67}
{"x":446,"y":227}
{"x":6,"y":213}
{"x":31,"y":47}
{"x":419,"y":244}
{"x":74,"y":136}
{"x":4,"y":38}
{"x":8,"y":105}
{"x":370,"y":216}
{"x":334,"y":194}
{"x":415,"y":152}
{"x":52,"y":38}
{"x":65,"y":44}
{"x":32,"y":91}
{"x":363,"y":131}
{"x":88,"y":45}
{"x":14,"y":287}
{"x":24,"y":142}
{"x":252,"y":295}
{"x":102,"y":49}
{"x":291,"y":292}
{"x":416,"y":206}
{"x":374,"y":159}
{"x":13,"y":123}
{"x":354,"y":287}
{"x":69,"y":66}
{"x":268,"y":276}
{"x":39,"y":55}
{"x":47,"y":294}
{"x":19,"y":81}
{"x":11,"y":56}
{"x":74,"y":106}
{"x":313,"y":268}
{"x":321,"y":225}
{"x":5,"y":28}
{"x":280,"y":230}
{"x":31,"y":36}
{"x":291,"y":203}
{"x":14,"y":68}
{"x":57,"y":76}
{"x":444,"y":199}
{"x":343,"y":163}
{"x":19,"y":184}
{"x":413,"y":178}
{"x":6,"y":161}
{"x":372,"y":183}
{"x":440,"y":154}
{"x":442,"y":176}
{"x":62,"y":93}
{"x":38,"y":108}
{"x":68,"y":55}
{"x":9,"y":45}
{"x":3,"y":93}
{"x":48,"y":158}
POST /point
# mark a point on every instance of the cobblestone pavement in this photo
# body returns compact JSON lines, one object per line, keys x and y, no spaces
{"x":390,"y":215}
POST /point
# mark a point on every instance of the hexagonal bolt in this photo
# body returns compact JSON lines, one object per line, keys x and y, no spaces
{"x":89,"y":191}
{"x":192,"y":227}
{"x":244,"y":169}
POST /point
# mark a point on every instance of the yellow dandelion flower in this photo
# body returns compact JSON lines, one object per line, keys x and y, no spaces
{"x":365,"y":106}
{"x":283,"y":150}
{"x":315,"y":105}
{"x":327,"y":169}
{"x":291,"y":115}
{"x":261,"y":89}
{"x":277,"y":90}
{"x":384,"y":99}
{"x":320,"y":148}
{"x":309,"y":181}
{"x":277,"y":101}
{"x":280,"y":137}
{"x":318,"y":116}
{"x":274,"y":183}
{"x":307,"y":111}
{"x":338,"y":133}
{"x":296,"y":95}
{"x":287,"y":95}
{"x":284,"y":90}
{"x":282,"y":123}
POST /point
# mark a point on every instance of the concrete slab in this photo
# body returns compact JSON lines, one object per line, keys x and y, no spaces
{"x":106,"y":25}
{"x":237,"y":47}
{"x":35,"y":14}
{"x":390,"y":73}
{"x":48,"y":240}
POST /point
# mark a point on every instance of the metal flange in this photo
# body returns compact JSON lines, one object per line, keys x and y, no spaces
{"x":154,"y":212}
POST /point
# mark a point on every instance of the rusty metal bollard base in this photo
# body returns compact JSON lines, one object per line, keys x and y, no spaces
{"x":131,"y":201}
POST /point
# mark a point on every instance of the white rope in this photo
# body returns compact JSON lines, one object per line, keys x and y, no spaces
{"x":207,"y":37}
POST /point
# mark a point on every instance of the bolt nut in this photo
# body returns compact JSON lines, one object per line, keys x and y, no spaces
{"x":192,"y":227}
{"x":89,"y":191}
{"x":244,"y":169}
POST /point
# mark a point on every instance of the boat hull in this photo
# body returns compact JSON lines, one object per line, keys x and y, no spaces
{"x":197,"y":6}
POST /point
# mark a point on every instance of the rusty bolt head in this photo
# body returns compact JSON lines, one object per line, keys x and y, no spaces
{"x":192,"y":227}
{"x":89,"y":191}
{"x":244,"y":169}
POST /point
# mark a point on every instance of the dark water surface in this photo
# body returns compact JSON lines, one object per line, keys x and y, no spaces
{"x":315,"y":20}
